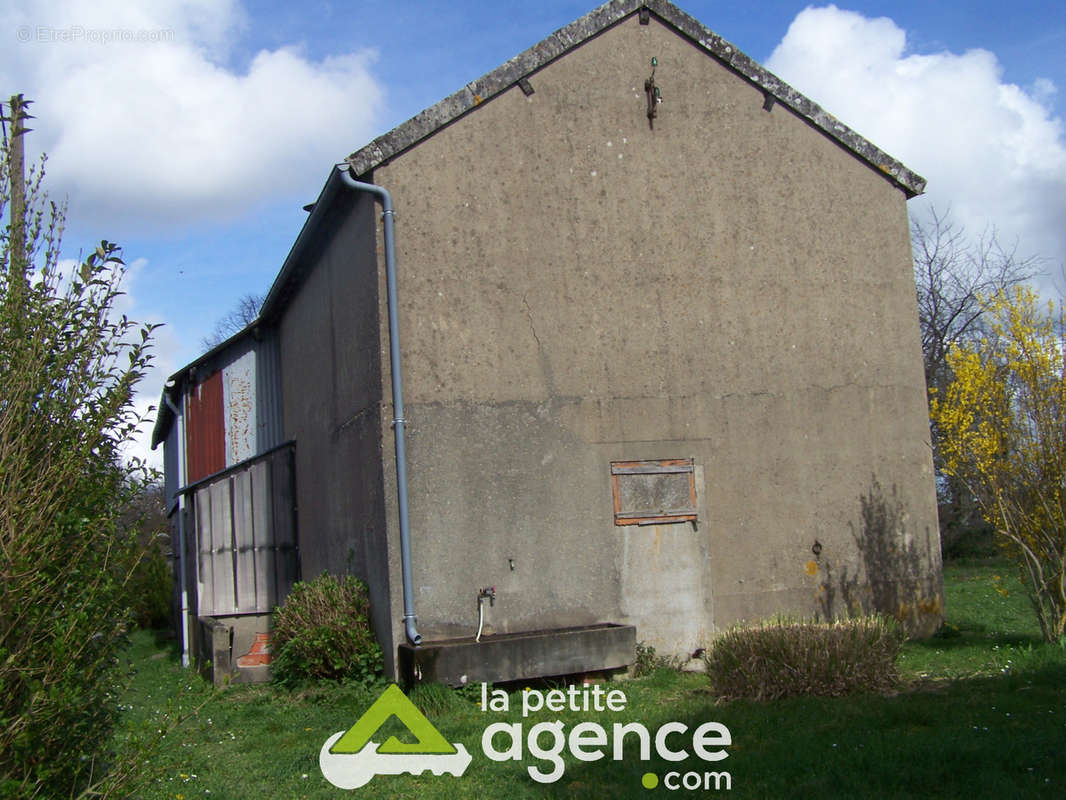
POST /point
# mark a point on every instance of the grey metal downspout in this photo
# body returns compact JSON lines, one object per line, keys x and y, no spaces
{"x":398,"y":422}
{"x":181,"y":530}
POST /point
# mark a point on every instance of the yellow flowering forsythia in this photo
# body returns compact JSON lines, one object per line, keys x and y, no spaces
{"x":1003,"y":427}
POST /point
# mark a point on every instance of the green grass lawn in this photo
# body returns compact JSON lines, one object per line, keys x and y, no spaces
{"x":983,"y":714}
{"x":989,"y":628}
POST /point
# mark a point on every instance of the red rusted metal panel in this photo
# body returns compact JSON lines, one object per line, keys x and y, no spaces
{"x":205,"y":431}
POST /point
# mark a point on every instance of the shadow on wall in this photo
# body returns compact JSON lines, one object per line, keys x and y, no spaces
{"x":895,"y":576}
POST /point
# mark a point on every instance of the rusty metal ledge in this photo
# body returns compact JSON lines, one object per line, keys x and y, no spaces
{"x":519,"y":656}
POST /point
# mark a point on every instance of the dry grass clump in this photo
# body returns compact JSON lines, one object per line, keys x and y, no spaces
{"x":783,"y":658}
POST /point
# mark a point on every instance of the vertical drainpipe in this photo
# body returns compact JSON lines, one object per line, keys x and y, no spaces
{"x":181,"y":529}
{"x":398,"y":422}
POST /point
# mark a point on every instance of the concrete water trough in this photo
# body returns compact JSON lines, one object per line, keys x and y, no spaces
{"x":519,"y":656}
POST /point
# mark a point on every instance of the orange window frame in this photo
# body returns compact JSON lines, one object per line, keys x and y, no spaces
{"x":653,"y":516}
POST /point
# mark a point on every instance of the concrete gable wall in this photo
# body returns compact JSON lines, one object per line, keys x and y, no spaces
{"x":577,"y":288}
{"x":332,"y":401}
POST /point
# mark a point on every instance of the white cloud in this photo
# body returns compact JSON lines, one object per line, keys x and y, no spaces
{"x":147,"y":122}
{"x":163,"y":131}
{"x":1044,"y":91}
{"x":990,"y":150}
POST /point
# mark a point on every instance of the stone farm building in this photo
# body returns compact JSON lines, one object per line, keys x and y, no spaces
{"x":660,"y":368}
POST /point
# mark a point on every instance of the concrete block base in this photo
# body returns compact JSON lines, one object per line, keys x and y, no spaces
{"x":220,"y":643}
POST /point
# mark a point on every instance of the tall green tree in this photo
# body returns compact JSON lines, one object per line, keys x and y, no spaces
{"x":69,"y":364}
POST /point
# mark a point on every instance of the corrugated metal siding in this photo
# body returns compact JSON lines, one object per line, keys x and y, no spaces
{"x":205,"y":429}
{"x":235,"y":413}
{"x":232,"y":415}
{"x":238,"y":399}
{"x":270,"y":431}
{"x":246,"y":537}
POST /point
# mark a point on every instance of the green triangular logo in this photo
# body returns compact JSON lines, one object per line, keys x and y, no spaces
{"x":393,"y":702}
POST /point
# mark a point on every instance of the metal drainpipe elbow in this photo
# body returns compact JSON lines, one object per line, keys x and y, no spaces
{"x":412,"y":633}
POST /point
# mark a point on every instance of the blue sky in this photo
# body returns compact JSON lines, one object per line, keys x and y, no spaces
{"x":196,"y":148}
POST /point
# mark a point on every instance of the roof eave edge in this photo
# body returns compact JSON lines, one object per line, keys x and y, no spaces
{"x":592,"y":24}
{"x":910,"y":182}
{"x":489,"y":85}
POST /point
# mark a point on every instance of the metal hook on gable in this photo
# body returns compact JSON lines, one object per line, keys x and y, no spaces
{"x":653,"y":93}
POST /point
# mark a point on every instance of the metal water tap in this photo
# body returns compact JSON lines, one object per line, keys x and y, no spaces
{"x":490,"y":593}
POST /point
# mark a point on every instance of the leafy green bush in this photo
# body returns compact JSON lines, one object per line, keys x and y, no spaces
{"x":781,"y":658}
{"x":68,"y":369}
{"x":322,"y":632}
